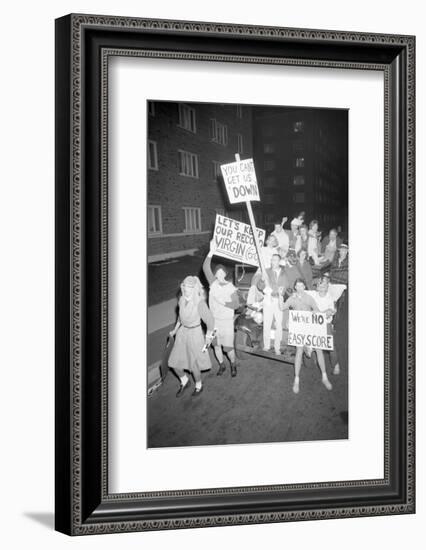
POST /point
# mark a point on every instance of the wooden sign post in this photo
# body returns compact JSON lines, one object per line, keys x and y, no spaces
{"x":241,"y":186}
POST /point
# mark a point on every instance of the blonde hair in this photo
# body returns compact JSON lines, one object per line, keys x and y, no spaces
{"x":193,"y":282}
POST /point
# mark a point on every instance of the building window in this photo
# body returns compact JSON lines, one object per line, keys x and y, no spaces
{"x":216,"y":172}
{"x":269,"y":165}
{"x":268,"y":130}
{"x":239,"y":111}
{"x":268,"y":148}
{"x":152,"y":155}
{"x":298,"y":180}
{"x":151,"y":108}
{"x":154,"y":220}
{"x":270,"y":181}
{"x":218,"y":132}
{"x":297,"y":146}
{"x":188,"y":164}
{"x":300,"y":162}
{"x":299,"y":197}
{"x":240,"y":143}
{"x":192,"y":219}
{"x":187,"y":117}
{"x":298,"y":127}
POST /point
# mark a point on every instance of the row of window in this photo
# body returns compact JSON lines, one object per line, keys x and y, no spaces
{"x":271,"y":181}
{"x":326,"y":198}
{"x":297,"y":127}
{"x":270,"y":164}
{"x":191,"y":216}
{"x":328,"y":219}
{"x":188,"y":121}
{"x":187,"y":162}
{"x":326,"y":185}
{"x":272,"y":199}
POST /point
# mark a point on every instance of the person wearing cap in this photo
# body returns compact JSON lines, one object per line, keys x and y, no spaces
{"x":187,"y":353}
{"x":340,"y":265}
{"x":223,"y":301}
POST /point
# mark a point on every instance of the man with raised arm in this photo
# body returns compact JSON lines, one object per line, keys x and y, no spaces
{"x":281,"y":236}
{"x":223,"y":301}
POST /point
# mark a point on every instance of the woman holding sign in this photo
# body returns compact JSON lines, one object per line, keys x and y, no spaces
{"x":300,"y":300}
{"x":223,"y":301}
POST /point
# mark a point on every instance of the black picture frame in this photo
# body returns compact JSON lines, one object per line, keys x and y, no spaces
{"x":83,"y":45}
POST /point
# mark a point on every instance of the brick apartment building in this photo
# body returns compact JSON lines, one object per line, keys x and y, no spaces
{"x":302,"y":162}
{"x":187,"y":143}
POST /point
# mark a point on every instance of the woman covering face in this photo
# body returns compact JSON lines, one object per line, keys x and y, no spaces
{"x":187,"y":354}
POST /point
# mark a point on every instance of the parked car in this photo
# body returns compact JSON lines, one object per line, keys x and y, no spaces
{"x":249,"y":324}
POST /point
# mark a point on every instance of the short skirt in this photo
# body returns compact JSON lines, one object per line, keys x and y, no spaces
{"x":225,"y":332}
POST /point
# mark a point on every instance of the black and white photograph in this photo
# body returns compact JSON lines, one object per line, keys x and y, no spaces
{"x":248,"y":274}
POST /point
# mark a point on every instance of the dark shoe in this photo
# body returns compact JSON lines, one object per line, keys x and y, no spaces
{"x":221,"y":369}
{"x":182,"y":389}
{"x":233,"y":370}
{"x":197,"y":392}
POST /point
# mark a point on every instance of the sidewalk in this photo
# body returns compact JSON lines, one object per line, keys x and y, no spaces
{"x":165,"y":278}
{"x":162,"y":315}
{"x":156,"y":344}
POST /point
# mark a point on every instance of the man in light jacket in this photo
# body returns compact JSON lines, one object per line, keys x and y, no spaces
{"x":276,"y":283}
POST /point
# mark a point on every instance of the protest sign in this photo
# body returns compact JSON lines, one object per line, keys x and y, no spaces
{"x":240,"y":181}
{"x":234,"y":240}
{"x":308,"y":328}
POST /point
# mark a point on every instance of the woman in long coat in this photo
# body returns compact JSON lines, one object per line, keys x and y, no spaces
{"x":189,"y":352}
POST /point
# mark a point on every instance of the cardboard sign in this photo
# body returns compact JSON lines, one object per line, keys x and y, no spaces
{"x":240,"y":181}
{"x":234,"y":240}
{"x":308,"y":328}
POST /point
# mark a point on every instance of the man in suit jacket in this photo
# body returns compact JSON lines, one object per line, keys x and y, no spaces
{"x":275,"y":284}
{"x":340,"y":266}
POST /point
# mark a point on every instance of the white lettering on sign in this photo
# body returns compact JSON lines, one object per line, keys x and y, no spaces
{"x":309,"y":328}
{"x":234,"y":240}
{"x":240,"y":181}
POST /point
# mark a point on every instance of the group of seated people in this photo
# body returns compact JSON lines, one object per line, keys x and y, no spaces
{"x":302,"y":252}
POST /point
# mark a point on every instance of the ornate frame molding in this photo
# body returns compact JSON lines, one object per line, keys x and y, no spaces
{"x":72,"y":44}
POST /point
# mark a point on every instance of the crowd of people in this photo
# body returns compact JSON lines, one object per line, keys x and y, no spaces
{"x":299,"y":270}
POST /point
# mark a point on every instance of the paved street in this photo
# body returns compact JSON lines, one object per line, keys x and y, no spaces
{"x":256,"y":406}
